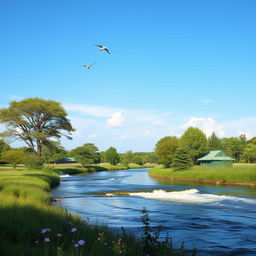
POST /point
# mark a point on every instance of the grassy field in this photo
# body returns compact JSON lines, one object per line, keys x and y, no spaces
{"x":31,"y":225}
{"x":240,"y":173}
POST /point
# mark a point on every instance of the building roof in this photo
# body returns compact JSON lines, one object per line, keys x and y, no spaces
{"x":217,"y":155}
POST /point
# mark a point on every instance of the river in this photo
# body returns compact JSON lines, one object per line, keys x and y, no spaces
{"x":215,"y":219}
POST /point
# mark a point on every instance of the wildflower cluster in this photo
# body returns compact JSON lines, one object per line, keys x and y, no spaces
{"x":47,"y":236}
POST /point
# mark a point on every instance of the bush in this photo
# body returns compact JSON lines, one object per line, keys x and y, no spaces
{"x":32,"y":161}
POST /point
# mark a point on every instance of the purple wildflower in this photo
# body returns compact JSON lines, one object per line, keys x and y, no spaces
{"x":59,"y":235}
{"x":76,"y":245}
{"x":73,"y":230}
{"x":36,"y":242}
{"x":44,"y":230}
{"x":47,"y":240}
{"x":48,"y":229}
{"x":81,"y":242}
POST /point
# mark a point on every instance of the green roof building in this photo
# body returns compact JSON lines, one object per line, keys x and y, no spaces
{"x":216,"y":158}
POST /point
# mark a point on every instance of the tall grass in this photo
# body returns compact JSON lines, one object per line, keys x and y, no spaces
{"x":31,"y":226}
{"x":237,"y":173}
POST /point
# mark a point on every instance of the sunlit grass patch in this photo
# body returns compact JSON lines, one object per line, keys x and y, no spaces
{"x":245,"y":173}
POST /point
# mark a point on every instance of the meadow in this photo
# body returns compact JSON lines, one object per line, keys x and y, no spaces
{"x":239,"y":173}
{"x":31,"y":225}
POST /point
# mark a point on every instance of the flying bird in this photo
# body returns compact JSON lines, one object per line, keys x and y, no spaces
{"x":88,"y":66}
{"x":103,"y":48}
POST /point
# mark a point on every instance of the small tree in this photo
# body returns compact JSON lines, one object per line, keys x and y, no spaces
{"x":182,"y":160}
{"x":111,"y":156}
{"x":13,"y":156}
{"x":87,"y":154}
{"x":165,"y":149}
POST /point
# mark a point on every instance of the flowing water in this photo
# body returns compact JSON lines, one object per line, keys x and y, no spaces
{"x":215,"y":219}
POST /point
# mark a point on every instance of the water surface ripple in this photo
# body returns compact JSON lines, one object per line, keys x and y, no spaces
{"x":215,"y":219}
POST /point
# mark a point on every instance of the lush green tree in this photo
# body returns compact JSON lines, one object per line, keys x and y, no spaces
{"x":165,"y":149}
{"x":4,"y":146}
{"x":182,"y":160}
{"x":13,"y":156}
{"x":150,"y":157}
{"x":86,"y":154}
{"x":234,"y":146}
{"x":128,"y":156}
{"x":214,"y":143}
{"x":137,"y":160}
{"x":250,"y":153}
{"x":111,"y":156}
{"x":35,"y":121}
{"x":194,"y":141}
{"x":53,"y":153}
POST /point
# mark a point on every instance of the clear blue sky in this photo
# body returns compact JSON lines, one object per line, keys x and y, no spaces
{"x":172,"y":64}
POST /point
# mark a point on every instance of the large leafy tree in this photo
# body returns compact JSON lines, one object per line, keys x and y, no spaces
{"x":194,"y":141}
{"x":111,"y":156}
{"x":35,"y":121}
{"x":86,"y":154}
{"x":214,"y":143}
{"x":165,"y":149}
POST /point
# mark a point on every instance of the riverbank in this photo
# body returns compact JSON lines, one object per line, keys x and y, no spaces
{"x":31,"y":225}
{"x":236,"y":175}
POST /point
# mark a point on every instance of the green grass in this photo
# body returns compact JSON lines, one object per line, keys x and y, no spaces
{"x":237,"y":173}
{"x":26,"y":209}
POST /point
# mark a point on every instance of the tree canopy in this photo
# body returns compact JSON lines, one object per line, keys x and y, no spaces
{"x":111,"y":156}
{"x":165,"y":149}
{"x":214,"y":143}
{"x":194,"y":141}
{"x":86,"y":154}
{"x":35,"y":121}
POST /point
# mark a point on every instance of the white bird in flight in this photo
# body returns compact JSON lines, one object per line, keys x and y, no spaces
{"x":103,"y":48}
{"x":88,"y":66}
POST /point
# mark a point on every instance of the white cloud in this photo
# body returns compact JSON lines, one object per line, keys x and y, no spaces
{"x":116,"y":120}
{"x":96,"y":111}
{"x":207,"y":125}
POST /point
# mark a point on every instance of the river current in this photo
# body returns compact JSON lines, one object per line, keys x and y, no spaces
{"x":215,"y":219}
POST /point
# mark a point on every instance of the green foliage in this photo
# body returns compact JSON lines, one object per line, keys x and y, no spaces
{"x":150,"y":238}
{"x":37,"y":120}
{"x":111,"y":156}
{"x":182,"y":160}
{"x":53,"y":153}
{"x":250,"y":153}
{"x":165,"y":149}
{"x":33,"y":161}
{"x":13,"y":156}
{"x":194,"y":141}
{"x":86,"y":154}
{"x":138,"y":160}
{"x":234,"y":147}
{"x":4,"y":146}
{"x":214,"y":143}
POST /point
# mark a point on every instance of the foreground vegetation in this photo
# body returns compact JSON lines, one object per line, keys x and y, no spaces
{"x":237,"y":174}
{"x":31,"y":225}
